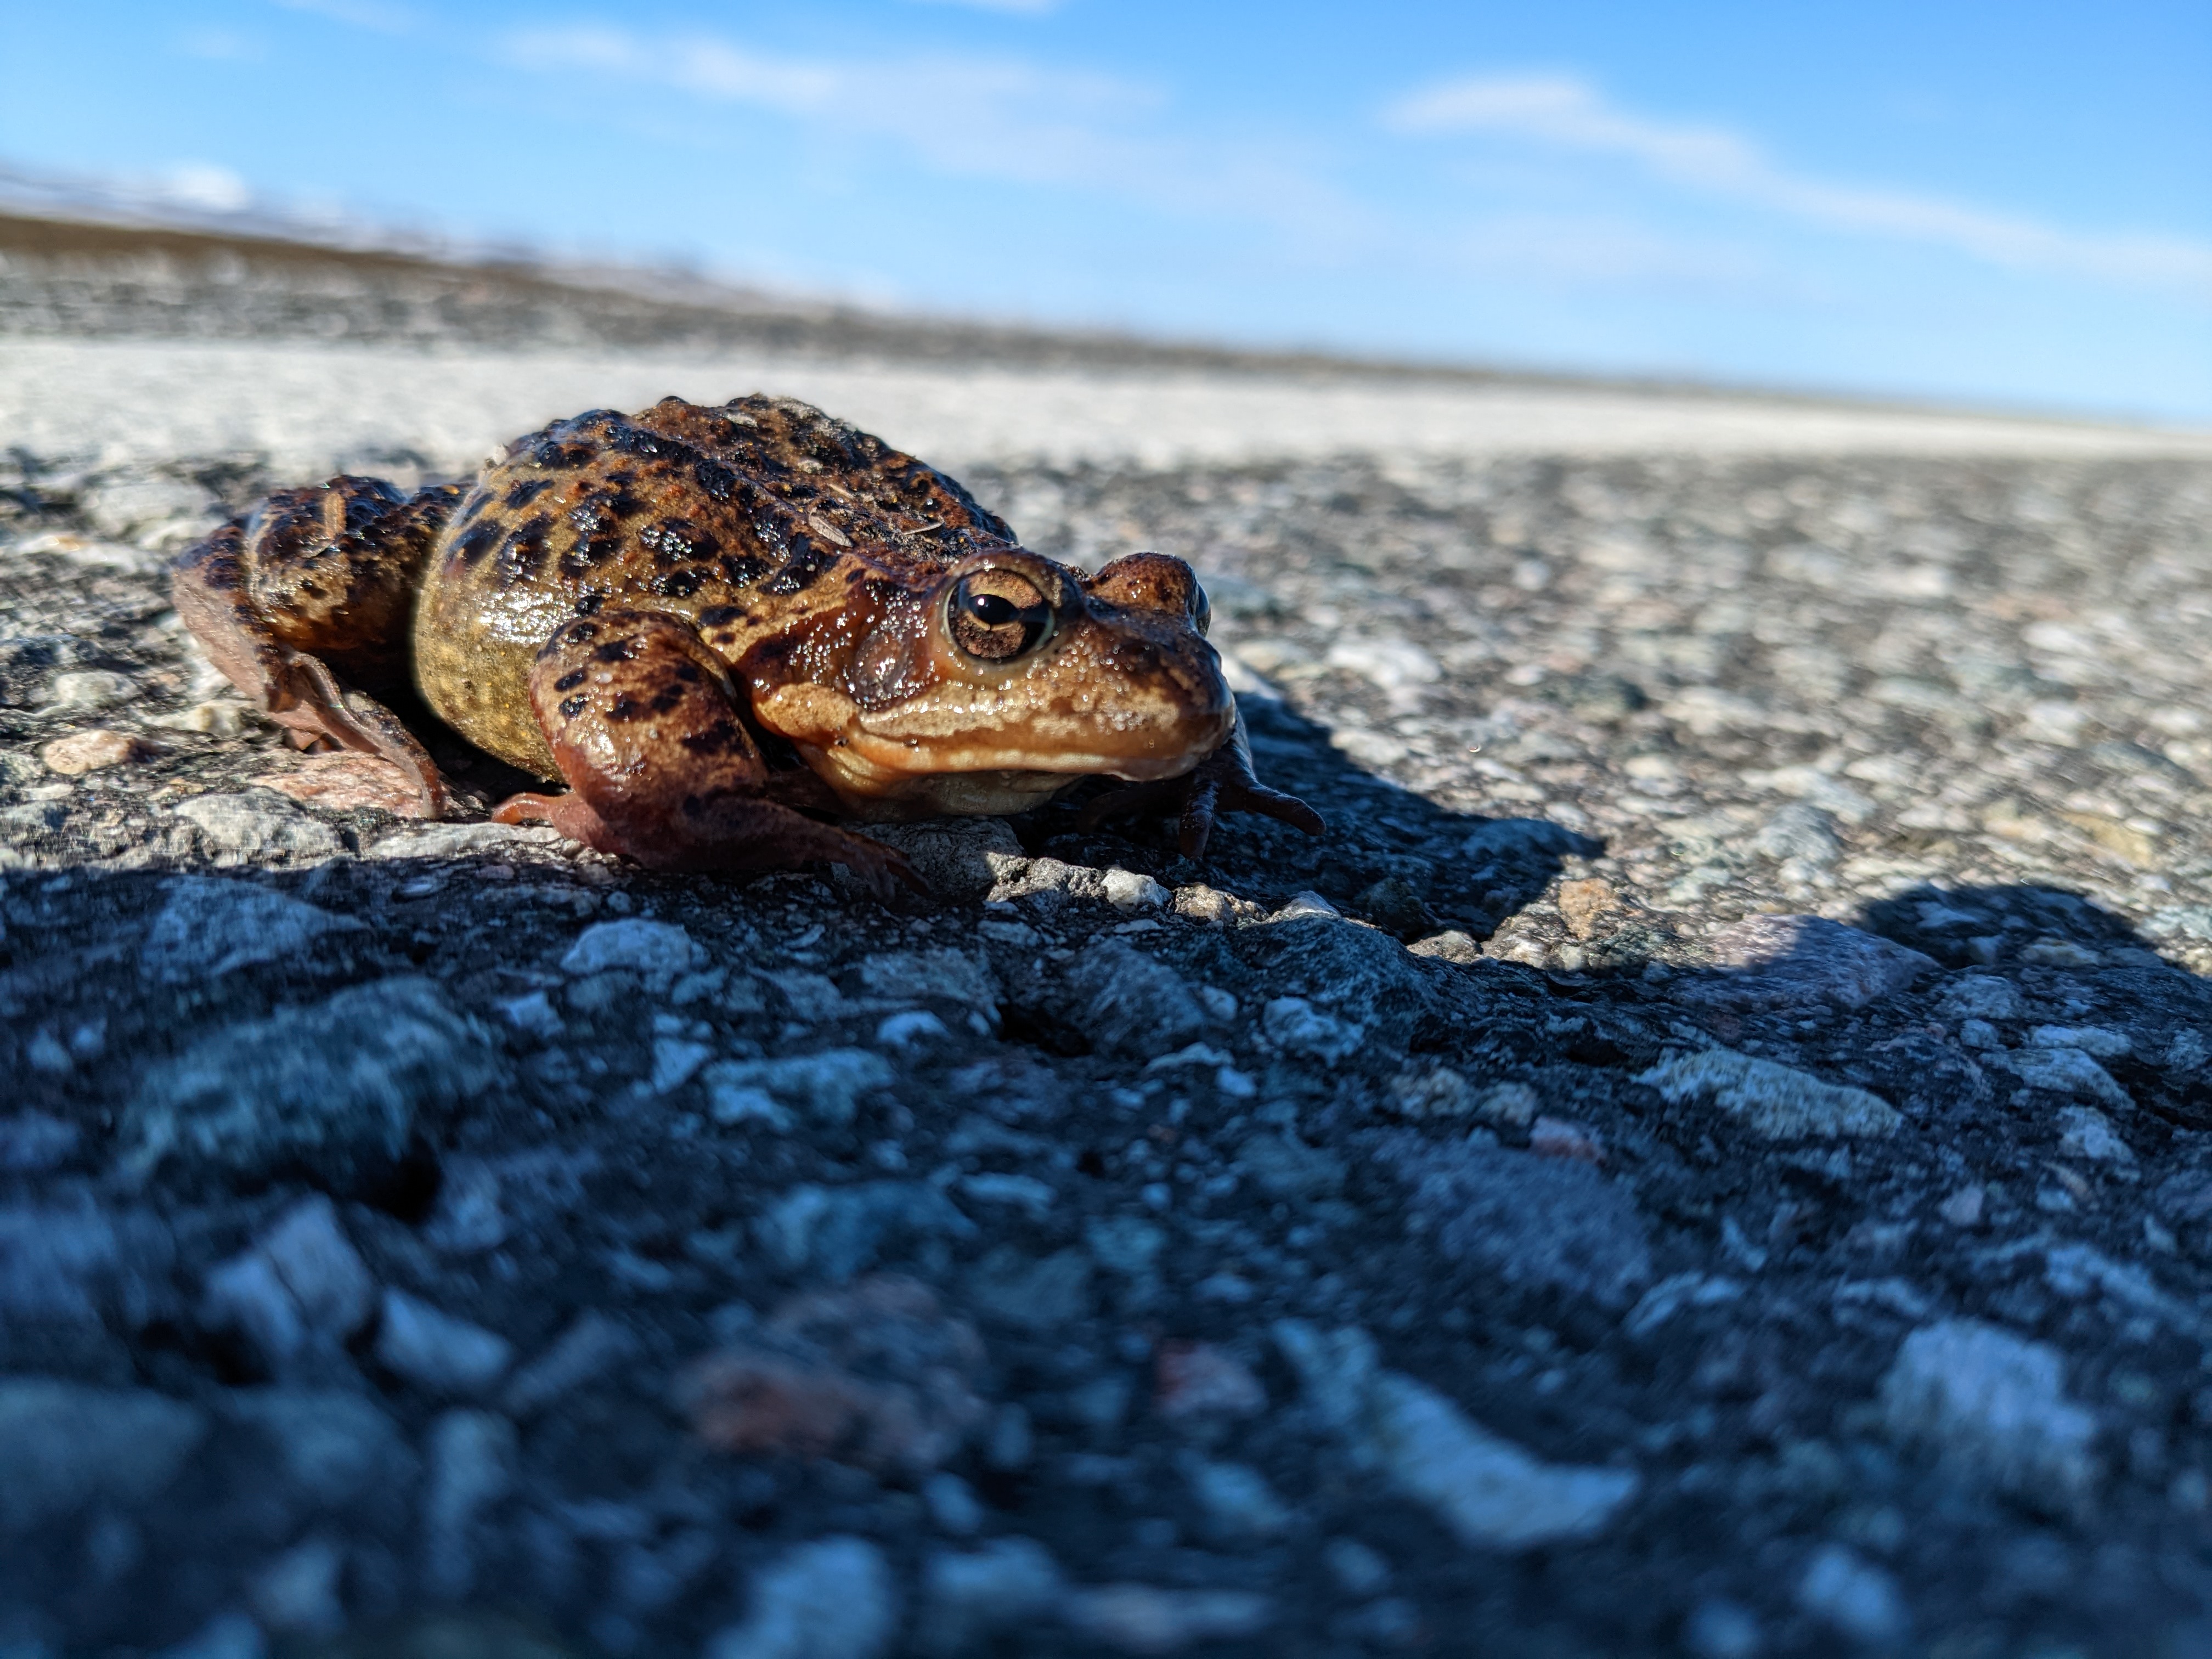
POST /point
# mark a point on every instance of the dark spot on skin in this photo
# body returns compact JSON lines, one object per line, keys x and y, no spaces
{"x":616,"y":651}
{"x":688,"y":672}
{"x":714,"y":616}
{"x":526,"y":490}
{"x":743,"y":569}
{"x":478,"y":542}
{"x":589,"y":605}
{"x":680,"y":584}
{"x":569,"y":681}
{"x":717,"y":480}
{"x":572,"y":707}
{"x":807,"y":565}
{"x":525,"y":551}
{"x":583,"y":633}
{"x":667,"y":698}
{"x":719,"y":738}
{"x":626,"y":707}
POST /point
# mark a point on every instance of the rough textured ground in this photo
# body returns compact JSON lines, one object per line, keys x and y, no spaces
{"x":1710,"y":1155}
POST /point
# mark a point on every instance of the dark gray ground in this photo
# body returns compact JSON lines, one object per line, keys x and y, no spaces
{"x":1468,"y":1234}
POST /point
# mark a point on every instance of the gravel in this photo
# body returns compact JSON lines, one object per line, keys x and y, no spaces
{"x":1711,"y":1154}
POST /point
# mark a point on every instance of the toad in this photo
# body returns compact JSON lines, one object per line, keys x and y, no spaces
{"x":723,"y":628}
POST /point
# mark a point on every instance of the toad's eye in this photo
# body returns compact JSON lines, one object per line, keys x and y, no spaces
{"x":995,"y":615}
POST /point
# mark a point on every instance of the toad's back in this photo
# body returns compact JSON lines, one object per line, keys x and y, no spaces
{"x":749,"y":519}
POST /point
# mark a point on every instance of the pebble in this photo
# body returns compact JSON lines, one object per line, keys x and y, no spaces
{"x":91,"y":752}
{"x":1127,"y":1003}
{"x":463,"y":841}
{"x":299,"y":1593}
{"x":471,"y":1466}
{"x":1859,"y":1600}
{"x":66,"y":1260}
{"x":837,"y":1232}
{"x":298,"y":1293}
{"x":971,"y":1596}
{"x":1543,"y":1223}
{"x":1489,"y":1491}
{"x":880,"y":1375}
{"x":651,"y":948}
{"x":346,"y":782}
{"x":89,"y":691}
{"x":335,"y":1086}
{"x":257,"y":829}
{"x":436,"y":1352}
{"x":1980,"y":996}
{"x":1128,"y":891}
{"x":1791,"y":962}
{"x":1202,"y":1381}
{"x":836,"y":1598}
{"x":1037,"y":1295}
{"x":1992,"y":1408}
{"x":1239,"y":1506}
{"x":333,"y":1447}
{"x":958,"y":859}
{"x":1285,"y":1168}
{"x":943,"y":975}
{"x":1357,"y":1569}
{"x":2085,"y":1131}
{"x":952,"y":1504}
{"x":587,"y":1350}
{"x":1144,"y":1619}
{"x":1297,"y":1027}
{"x":2065,"y":1071}
{"x":65,"y":1447}
{"x":827,"y":1086}
{"x":1773,"y":1101}
{"x":210,"y":926}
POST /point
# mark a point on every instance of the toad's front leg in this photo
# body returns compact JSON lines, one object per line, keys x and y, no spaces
{"x":1223,"y":782}
{"x":645,"y":727}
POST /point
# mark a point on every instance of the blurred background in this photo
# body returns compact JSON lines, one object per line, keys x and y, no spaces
{"x":2002,"y":206}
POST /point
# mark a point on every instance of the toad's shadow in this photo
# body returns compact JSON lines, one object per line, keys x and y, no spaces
{"x":1391,"y":856}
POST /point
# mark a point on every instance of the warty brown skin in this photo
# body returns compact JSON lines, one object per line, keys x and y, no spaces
{"x":625,"y":601}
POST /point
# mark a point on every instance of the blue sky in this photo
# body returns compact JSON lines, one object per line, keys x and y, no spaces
{"x":2000,"y":205}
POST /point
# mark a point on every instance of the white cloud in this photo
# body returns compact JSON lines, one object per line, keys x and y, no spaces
{"x":982,"y":116}
{"x":1567,"y":112}
{"x":209,"y":189}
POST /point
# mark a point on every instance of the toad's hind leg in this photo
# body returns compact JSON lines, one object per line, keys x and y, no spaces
{"x":304,"y":605}
{"x":644,"y":725}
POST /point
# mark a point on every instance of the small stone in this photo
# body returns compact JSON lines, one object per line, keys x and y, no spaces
{"x":1127,"y":890}
{"x":829,"y":1087}
{"x":297,"y":1594}
{"x":837,"y":1231}
{"x":1239,"y":1505}
{"x":675,"y":1061}
{"x":1992,"y":1407}
{"x":1283,"y":1167}
{"x":1426,"y":1092}
{"x":649,"y":948}
{"x":880,"y":1375}
{"x":1307,"y":904}
{"x":832,"y":1599}
{"x":333,"y":1446}
{"x":435,"y":1351}
{"x":1197,"y":1380}
{"x":67,"y":1261}
{"x":915,"y":1028}
{"x":1144,"y":1620}
{"x":959,"y":860}
{"x":472,"y":1468}
{"x":968,"y":1597}
{"x":1450,"y":945}
{"x":1585,"y":903}
{"x":1789,"y":962}
{"x":1357,"y":1569}
{"x":346,"y":783}
{"x":65,"y":1447}
{"x":2060,"y":953}
{"x":1773,"y":1101}
{"x":2096,"y":1040}
{"x":1800,"y":831}
{"x":2085,"y":1131}
{"x":444,"y":841}
{"x":210,"y":926}
{"x":1980,"y":996}
{"x":257,"y":828}
{"x":2067,"y":1071}
{"x":941,"y":975}
{"x":1297,"y":1027}
{"x":1209,"y":904}
{"x":1129,"y":1004}
{"x":91,"y":752}
{"x":1980,"y":1035}
{"x":588,"y":1349}
{"x":32,"y":1142}
{"x":1963,"y":1207}
{"x":1858,"y":1599}
{"x":299,"y":1293}
{"x":952,"y":1504}
{"x":1544,"y":1223}
{"x":1555,"y":1137}
{"x":1718,"y":1628}
{"x":90,"y":690}
{"x":335,"y":1087}
{"x":1037,"y":1295}
{"x":1489,"y":1491}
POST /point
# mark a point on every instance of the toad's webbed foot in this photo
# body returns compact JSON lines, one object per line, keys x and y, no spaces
{"x":644,"y":727}
{"x":1223,"y":782}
